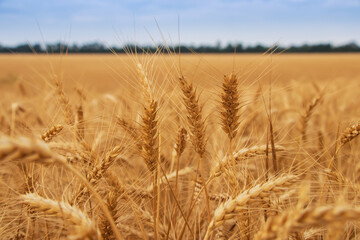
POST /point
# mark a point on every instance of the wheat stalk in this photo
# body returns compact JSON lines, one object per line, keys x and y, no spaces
{"x":171,"y":176}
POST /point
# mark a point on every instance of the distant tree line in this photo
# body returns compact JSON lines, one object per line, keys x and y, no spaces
{"x":229,"y":48}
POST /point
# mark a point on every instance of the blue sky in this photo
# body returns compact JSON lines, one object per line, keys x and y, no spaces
{"x":246,"y":21}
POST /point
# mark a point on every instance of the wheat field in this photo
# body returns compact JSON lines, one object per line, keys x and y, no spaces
{"x":162,"y":146}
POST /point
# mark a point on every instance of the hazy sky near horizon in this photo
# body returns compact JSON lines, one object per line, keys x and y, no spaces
{"x":201,"y":21}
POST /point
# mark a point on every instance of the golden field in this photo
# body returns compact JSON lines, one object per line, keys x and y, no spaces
{"x":90,"y":68}
{"x":191,"y":147}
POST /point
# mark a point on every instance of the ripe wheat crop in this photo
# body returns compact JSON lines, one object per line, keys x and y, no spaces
{"x":161,"y":146}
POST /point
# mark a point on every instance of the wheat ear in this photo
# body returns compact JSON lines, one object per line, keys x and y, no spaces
{"x":111,"y":203}
{"x":180,"y":141}
{"x":85,"y":228}
{"x":243,"y":154}
{"x":150,"y":145}
{"x":149,"y":136}
{"x":97,"y":173}
{"x":80,"y":123}
{"x":350,"y":133}
{"x":230,"y":106}
{"x":305,"y":117}
{"x":347,"y":136}
{"x":197,"y":128}
{"x":233,"y":206}
{"x":24,"y":149}
{"x":52,"y":132}
{"x":196,"y":124}
{"x":179,"y":149}
{"x":280,"y":226}
{"x":230,"y":120}
{"x":64,"y":101}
